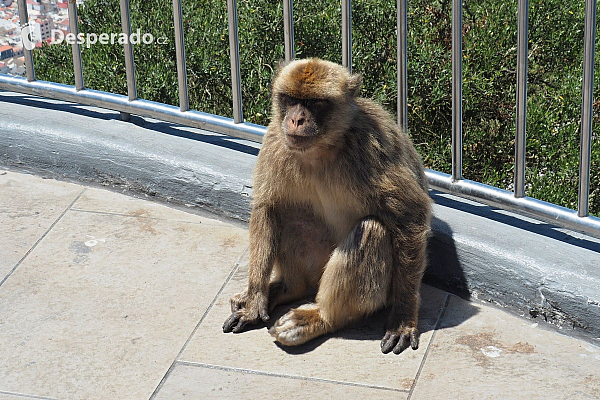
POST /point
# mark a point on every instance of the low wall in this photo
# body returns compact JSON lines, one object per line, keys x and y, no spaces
{"x":476,"y":251}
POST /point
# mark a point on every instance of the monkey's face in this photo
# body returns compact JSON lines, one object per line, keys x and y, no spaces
{"x":303,"y":120}
{"x":313,"y":103}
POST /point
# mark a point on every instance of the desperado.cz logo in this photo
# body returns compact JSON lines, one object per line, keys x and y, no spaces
{"x":26,"y":36}
{"x":88,"y":39}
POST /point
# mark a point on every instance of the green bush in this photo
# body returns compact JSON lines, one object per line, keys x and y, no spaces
{"x":489,"y":74}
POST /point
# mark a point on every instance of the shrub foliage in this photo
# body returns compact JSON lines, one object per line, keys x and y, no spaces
{"x":489,"y":73}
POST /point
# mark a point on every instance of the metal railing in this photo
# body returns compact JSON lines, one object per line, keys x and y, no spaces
{"x":515,"y":201}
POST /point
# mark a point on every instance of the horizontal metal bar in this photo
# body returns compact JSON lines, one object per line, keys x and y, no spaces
{"x":143,"y":108}
{"x":548,"y":212}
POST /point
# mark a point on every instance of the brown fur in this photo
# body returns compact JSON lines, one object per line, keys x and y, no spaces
{"x":341,"y":206}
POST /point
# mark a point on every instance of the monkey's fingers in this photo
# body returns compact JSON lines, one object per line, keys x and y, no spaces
{"x":388,"y":342}
{"x":414,"y":339}
{"x":232,"y":323}
{"x":398,"y":342}
{"x":402,"y":343}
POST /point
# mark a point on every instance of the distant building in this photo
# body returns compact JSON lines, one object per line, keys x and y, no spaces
{"x":62,"y":6}
{"x":6,"y":51}
{"x":63,"y":25}
{"x":18,"y":67}
{"x":35,"y":5}
{"x":4,"y":68}
{"x":42,"y":29}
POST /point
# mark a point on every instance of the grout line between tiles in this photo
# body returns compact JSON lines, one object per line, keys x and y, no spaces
{"x":26,"y":396}
{"x":41,"y":238}
{"x":214,"y":300}
{"x":427,"y":351}
{"x":287,"y":376}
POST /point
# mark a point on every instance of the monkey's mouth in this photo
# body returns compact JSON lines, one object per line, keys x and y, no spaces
{"x":298,"y":142}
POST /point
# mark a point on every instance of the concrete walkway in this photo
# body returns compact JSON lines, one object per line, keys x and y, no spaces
{"x":103,"y":296}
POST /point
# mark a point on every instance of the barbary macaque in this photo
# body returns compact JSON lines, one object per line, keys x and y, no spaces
{"x":340,"y":206}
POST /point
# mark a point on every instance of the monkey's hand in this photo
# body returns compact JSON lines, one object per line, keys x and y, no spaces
{"x":397,"y":340}
{"x":246,"y":310}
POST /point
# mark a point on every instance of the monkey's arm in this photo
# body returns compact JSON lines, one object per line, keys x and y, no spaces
{"x":247,"y":307}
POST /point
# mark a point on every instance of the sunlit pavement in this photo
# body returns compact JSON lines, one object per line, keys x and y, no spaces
{"x":104,"y":296}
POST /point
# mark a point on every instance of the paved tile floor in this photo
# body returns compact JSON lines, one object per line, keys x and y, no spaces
{"x":104,"y":296}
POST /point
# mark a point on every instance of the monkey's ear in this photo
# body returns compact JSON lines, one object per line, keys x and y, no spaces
{"x":354,"y":84}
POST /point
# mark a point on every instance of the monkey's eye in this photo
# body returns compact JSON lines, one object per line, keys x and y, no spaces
{"x":317,"y":104}
{"x":288,"y":100}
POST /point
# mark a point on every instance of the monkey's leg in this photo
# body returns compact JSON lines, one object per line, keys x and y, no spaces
{"x":354,"y":284}
{"x":411,"y":259}
{"x":303,"y":248}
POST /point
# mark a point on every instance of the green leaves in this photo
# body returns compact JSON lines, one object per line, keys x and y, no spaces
{"x":489,"y":73}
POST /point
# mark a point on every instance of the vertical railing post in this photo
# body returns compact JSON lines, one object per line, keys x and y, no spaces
{"x":585,"y":151}
{"x":129,"y":61}
{"x":75,"y":47}
{"x":24,"y":22}
{"x":402,"y":63}
{"x":184,"y":103}
{"x":456,"y":90}
{"x":347,"y":34}
{"x":521,"y":116}
{"x":234,"y":51}
{"x":288,"y":30}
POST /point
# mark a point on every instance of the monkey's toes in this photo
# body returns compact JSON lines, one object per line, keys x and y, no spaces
{"x":298,"y":326}
{"x":237,"y":322}
{"x":399,"y":340}
{"x":234,"y":323}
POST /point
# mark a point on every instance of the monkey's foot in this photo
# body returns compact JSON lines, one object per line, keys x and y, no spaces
{"x":299,"y":326}
{"x":397,"y":340}
{"x":246,"y":310}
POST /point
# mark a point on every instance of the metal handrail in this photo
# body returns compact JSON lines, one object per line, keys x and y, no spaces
{"x":514,"y":201}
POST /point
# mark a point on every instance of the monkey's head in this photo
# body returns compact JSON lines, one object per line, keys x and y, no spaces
{"x":313,"y":102}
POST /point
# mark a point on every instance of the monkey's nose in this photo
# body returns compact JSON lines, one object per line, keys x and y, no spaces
{"x":298,"y":121}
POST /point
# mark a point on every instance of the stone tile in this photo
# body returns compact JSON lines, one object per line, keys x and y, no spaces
{"x":500,"y":356}
{"x":29,"y":205}
{"x":103,"y":305}
{"x":195,"y":382}
{"x":351,"y":355}
{"x":103,"y":201}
